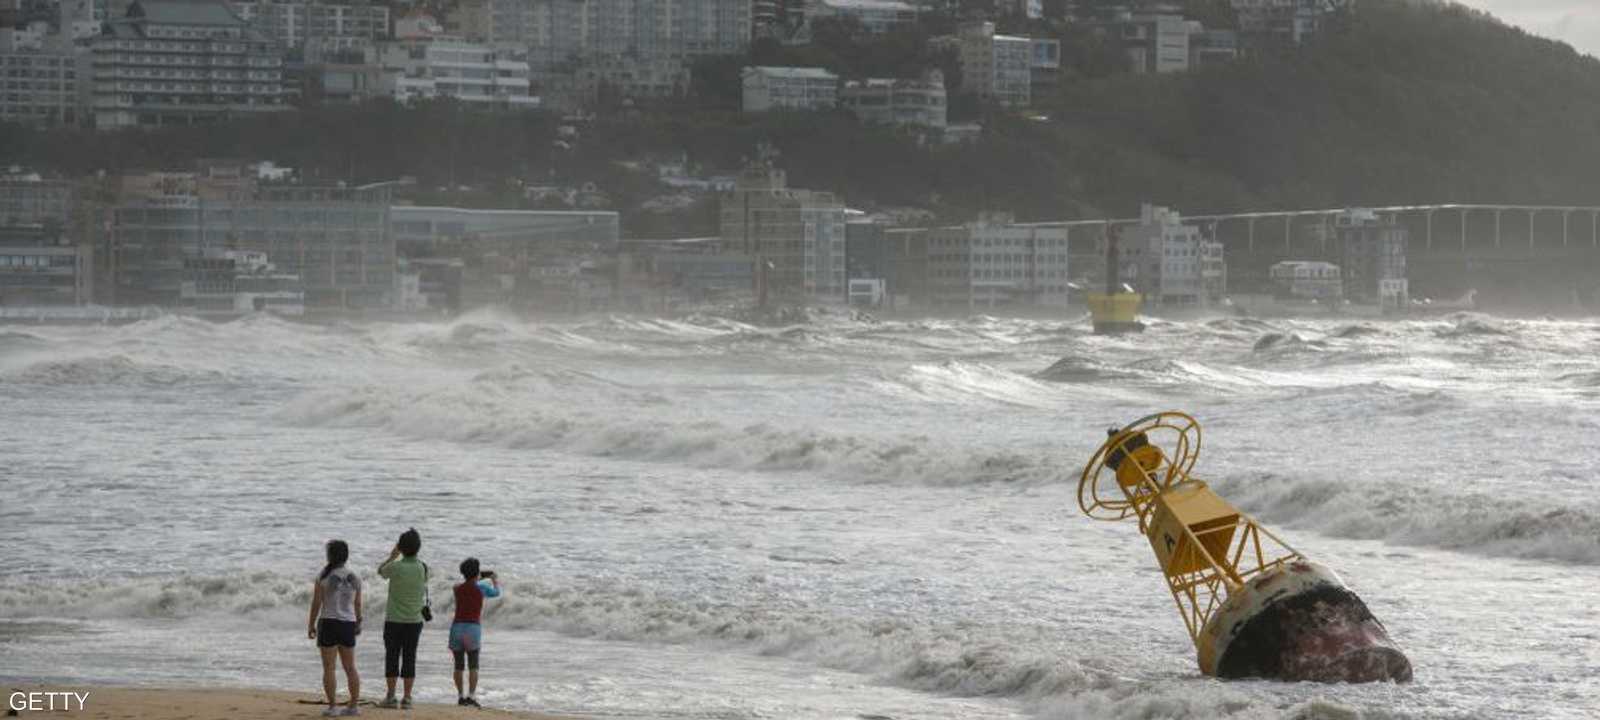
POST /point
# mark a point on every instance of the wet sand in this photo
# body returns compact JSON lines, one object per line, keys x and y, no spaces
{"x":118,"y":703}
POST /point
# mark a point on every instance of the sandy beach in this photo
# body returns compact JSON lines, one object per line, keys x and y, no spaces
{"x":116,"y":703}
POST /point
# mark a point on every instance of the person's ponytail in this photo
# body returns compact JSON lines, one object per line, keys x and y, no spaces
{"x":338,"y":553}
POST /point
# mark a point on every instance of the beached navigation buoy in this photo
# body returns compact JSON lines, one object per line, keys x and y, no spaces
{"x":1254,"y":606}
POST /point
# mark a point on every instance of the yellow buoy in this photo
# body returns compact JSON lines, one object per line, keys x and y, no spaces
{"x":1116,"y":310}
{"x":1254,"y":606}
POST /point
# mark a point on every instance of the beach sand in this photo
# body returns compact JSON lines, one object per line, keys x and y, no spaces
{"x":117,"y":703}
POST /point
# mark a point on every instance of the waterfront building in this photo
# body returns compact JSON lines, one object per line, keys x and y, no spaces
{"x":169,"y":62}
{"x":230,"y":283}
{"x":335,"y":239}
{"x":1307,"y":280}
{"x":422,"y":231}
{"x":36,"y":275}
{"x":1373,"y":250}
{"x":993,"y":262}
{"x":797,"y":236}
{"x":1172,"y":263}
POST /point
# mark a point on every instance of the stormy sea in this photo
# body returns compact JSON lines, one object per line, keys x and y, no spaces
{"x":837,"y":517}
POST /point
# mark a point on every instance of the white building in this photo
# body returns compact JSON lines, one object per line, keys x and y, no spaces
{"x":996,"y":66}
{"x":876,"y":16}
{"x":790,"y":88}
{"x":230,"y":283}
{"x":994,"y":262}
{"x":1308,"y":280}
{"x":1171,"y":263}
{"x":897,"y":102}
{"x":1157,"y":43}
{"x":443,"y":67}
{"x":1290,"y":21}
{"x":294,"y":22}
{"x":633,"y":48}
{"x":577,"y":30}
{"x":81,"y":19}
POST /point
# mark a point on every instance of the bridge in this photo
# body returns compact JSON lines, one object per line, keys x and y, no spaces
{"x":1393,"y":213}
{"x":1510,"y":251}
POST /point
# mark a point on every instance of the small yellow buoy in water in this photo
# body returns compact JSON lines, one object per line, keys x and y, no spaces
{"x":1116,"y":310}
{"x":1254,"y":606}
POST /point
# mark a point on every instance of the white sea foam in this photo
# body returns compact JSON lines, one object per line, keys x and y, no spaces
{"x":1399,"y":513}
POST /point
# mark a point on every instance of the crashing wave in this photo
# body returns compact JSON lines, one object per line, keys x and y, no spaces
{"x":1407,"y":515}
{"x":108,"y":370}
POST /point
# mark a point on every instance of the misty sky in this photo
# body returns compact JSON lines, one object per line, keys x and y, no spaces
{"x":1576,"y":22}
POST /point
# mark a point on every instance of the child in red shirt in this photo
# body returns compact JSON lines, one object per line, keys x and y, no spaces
{"x":466,"y":632}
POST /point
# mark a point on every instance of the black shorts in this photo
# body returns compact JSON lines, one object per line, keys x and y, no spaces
{"x":340,"y":633}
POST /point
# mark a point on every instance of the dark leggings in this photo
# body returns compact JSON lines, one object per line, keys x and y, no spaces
{"x":469,"y":657}
{"x":400,"y":643}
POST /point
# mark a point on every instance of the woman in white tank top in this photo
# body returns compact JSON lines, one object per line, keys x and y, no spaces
{"x":334,"y":623}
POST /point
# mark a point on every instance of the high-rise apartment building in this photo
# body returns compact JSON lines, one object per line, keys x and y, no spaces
{"x":292,"y":23}
{"x":43,"y":87}
{"x":169,"y":62}
{"x":994,"y":66}
{"x":634,"y":48}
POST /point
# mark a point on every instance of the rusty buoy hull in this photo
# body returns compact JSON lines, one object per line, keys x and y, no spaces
{"x":1300,"y":622}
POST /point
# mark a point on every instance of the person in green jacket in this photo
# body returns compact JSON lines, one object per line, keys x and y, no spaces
{"x":402,"y":626}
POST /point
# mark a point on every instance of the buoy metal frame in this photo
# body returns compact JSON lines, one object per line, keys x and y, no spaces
{"x":1207,"y":549}
{"x":1253,"y":605}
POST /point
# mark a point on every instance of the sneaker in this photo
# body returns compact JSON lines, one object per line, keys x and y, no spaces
{"x":470,"y":702}
{"x":461,"y":701}
{"x":405,"y":703}
{"x":350,"y":711}
{"x":389,"y":702}
{"x":332,"y":711}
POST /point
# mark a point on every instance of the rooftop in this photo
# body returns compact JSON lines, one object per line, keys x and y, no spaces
{"x":870,"y":5}
{"x":185,"y":12}
{"x":793,"y":72}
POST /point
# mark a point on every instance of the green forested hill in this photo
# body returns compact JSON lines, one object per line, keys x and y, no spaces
{"x":1400,"y":102}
